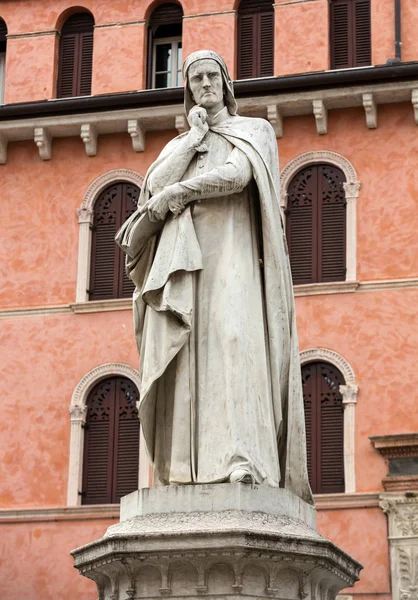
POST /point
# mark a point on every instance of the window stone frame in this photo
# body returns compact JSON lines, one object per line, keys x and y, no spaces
{"x":351,"y":188}
{"x":349,"y":393}
{"x":85,"y":214}
{"x":78,"y":414}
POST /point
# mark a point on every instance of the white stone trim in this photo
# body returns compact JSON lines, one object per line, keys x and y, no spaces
{"x":85,"y":220}
{"x":349,"y":393}
{"x":351,"y":188}
{"x":78,"y":410}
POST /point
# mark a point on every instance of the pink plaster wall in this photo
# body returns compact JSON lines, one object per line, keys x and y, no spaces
{"x":30,"y":69}
{"x":39,"y":206}
{"x":383,"y":30}
{"x":387,"y":219}
{"x":301,"y":37}
{"x":362,"y":533}
{"x":215,"y":33}
{"x":43,"y":359}
{"x":118,"y":59}
{"x":35,"y":559}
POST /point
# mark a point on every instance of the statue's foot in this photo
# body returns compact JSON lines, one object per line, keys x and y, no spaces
{"x":242,"y":476}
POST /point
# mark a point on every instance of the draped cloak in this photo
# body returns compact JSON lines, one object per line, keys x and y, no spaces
{"x":163,"y":272}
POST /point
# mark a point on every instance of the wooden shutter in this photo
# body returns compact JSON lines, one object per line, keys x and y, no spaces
{"x":76,"y":56}
{"x":107,"y":272}
{"x":316,"y":225}
{"x":165,"y":22}
{"x":255,"y":39}
{"x":111,"y":442}
{"x":324,"y":417}
{"x":350,"y":33}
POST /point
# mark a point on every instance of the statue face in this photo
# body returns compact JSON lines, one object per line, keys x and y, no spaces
{"x":206,"y":84}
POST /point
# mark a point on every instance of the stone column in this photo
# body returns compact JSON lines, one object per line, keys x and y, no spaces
{"x":78,"y":420}
{"x":349,"y":393}
{"x":402,"y":513}
{"x":85,"y":220}
{"x":352,"y":190}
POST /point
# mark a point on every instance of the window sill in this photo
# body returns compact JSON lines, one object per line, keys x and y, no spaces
{"x":101,"y":305}
{"x":350,"y":500}
{"x":60,"y":513}
{"x":335,"y":287}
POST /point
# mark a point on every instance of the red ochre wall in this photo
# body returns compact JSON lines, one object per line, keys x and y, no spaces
{"x":44,"y":357}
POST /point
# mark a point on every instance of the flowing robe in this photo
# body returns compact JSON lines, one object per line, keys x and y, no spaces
{"x":220,"y":388}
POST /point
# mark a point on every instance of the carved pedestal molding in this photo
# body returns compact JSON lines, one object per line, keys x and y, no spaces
{"x":351,"y":188}
{"x":370,"y":109}
{"x":3,"y":149}
{"x":89,"y":136}
{"x":402,"y":513}
{"x":219,"y":541}
{"x":321,"y":116}
{"x":85,"y":220}
{"x":43,"y":142}
{"x":137,"y":134}
{"x":275,"y":117}
{"x":78,"y":412}
{"x":349,"y":393}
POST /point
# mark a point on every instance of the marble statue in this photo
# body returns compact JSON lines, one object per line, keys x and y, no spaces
{"x":221,"y":396}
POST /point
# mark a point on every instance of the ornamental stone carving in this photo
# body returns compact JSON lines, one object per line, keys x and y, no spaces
{"x":402,"y":513}
{"x":324,"y":354}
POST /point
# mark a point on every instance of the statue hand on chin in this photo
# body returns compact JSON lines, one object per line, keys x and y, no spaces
{"x":198,"y":121}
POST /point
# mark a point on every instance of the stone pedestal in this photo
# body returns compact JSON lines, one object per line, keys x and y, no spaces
{"x":223,"y":541}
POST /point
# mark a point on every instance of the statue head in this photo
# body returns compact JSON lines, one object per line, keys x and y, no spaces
{"x":209,"y":62}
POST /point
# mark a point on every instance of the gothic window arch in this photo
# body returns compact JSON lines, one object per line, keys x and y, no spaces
{"x":164,"y":57}
{"x":255,"y":52}
{"x":316,"y":224}
{"x":91,"y":243}
{"x":330,"y":396}
{"x":108,"y":278}
{"x":341,"y":196}
{"x":112,"y":471}
{"x":111,"y":441}
{"x":3,"y":46}
{"x":75,"y":60}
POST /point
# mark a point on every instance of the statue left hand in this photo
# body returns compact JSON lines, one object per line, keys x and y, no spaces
{"x":157,"y":206}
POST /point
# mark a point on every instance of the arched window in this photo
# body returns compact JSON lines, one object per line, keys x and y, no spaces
{"x":165,"y":46}
{"x":255,"y":39}
{"x":324,"y":418}
{"x":350,"y":33}
{"x":316,"y":225}
{"x":107,"y":273}
{"x":76,"y":56}
{"x":111,"y":442}
{"x":3,"y":44}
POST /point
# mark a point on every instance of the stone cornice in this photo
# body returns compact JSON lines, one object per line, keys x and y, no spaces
{"x":401,"y":445}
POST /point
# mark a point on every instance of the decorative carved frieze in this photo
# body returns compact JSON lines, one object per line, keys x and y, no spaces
{"x":401,"y":445}
{"x":276,"y":119}
{"x":43,"y":141}
{"x":321,"y":116}
{"x":402,"y":513}
{"x":137,"y":134}
{"x":370,"y":109}
{"x":89,"y":136}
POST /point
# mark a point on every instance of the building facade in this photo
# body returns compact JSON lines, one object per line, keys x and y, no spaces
{"x":90,"y":95}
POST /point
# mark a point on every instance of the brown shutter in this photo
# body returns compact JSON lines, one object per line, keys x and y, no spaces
{"x":362,"y":51}
{"x":111,"y":442}
{"x":107,"y":272}
{"x":325,"y":427}
{"x":316,"y":225}
{"x":301,"y":226}
{"x":350,"y":33}
{"x":126,"y":459}
{"x":332,"y":224}
{"x":98,"y":444}
{"x":255,"y":39}
{"x":76,"y":56}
